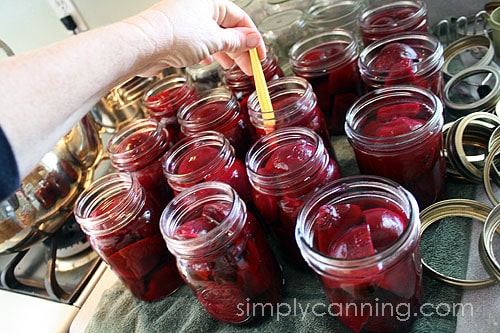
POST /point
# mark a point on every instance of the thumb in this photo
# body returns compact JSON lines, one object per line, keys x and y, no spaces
{"x":241,"y":39}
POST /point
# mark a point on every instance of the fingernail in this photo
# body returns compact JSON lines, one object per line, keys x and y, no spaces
{"x":253,"y":40}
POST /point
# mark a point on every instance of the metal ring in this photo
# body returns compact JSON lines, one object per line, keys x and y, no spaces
{"x":491,"y":225}
{"x":488,"y":163}
{"x":455,"y":207}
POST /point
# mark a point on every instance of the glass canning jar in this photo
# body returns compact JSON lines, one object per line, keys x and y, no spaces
{"x":281,"y":30}
{"x":122,"y":225}
{"x":243,"y":85}
{"x":205,"y":156}
{"x":222,"y":252}
{"x":138,"y":149}
{"x":385,"y":18}
{"x":360,"y":234}
{"x":294,"y":104}
{"x":284,"y":167}
{"x":218,"y":110}
{"x":164,"y":98}
{"x":329,"y":61}
{"x":396,"y":132}
{"x":405,"y":58}
{"x":325,"y":15}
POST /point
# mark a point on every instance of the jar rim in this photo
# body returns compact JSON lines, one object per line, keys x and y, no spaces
{"x":378,"y":7}
{"x":303,"y":231}
{"x":433,"y":62}
{"x":401,"y":94}
{"x":192,"y":199}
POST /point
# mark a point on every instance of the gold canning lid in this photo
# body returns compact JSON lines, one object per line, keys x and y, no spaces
{"x":489,"y":164}
{"x":448,"y":208}
{"x":491,"y":225}
{"x":466,"y":144}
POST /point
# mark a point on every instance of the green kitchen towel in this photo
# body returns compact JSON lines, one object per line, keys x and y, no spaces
{"x":445,"y":246}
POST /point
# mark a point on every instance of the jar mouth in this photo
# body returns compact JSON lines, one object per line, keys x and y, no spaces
{"x":264,"y":148}
{"x":402,"y":24}
{"x":343,"y":39}
{"x":296,"y":90}
{"x":211,"y":108}
{"x":108,"y":203}
{"x":318,"y":15}
{"x":180,"y":89}
{"x":185,"y":149}
{"x":188,"y":205}
{"x":280,"y":20}
{"x":137,"y":144}
{"x":356,"y":187}
{"x":423,"y":43}
{"x":368,"y":105}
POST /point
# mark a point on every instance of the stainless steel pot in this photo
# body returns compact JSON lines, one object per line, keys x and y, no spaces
{"x":46,"y":196}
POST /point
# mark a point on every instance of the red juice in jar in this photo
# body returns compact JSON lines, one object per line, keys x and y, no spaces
{"x":396,"y":132}
{"x":218,"y":110}
{"x":164,"y":98}
{"x":243,"y":85}
{"x":329,"y":61}
{"x":387,"y":18}
{"x":361,"y":236}
{"x":222,"y":252}
{"x":205,"y":156}
{"x":294,"y":105}
{"x":284,"y":168}
{"x":122,"y":225}
{"x":406,"y":58}
{"x":138,"y":149}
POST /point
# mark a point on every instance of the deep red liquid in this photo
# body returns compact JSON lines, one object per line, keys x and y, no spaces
{"x":237,"y":129}
{"x":336,"y":89}
{"x":233,"y":174}
{"x":356,"y":230}
{"x":421,"y":169}
{"x":148,"y":168}
{"x":279,"y":212}
{"x":228,"y":283}
{"x":138,"y":253}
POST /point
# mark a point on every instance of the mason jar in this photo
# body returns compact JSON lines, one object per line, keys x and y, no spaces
{"x":121,"y":222}
{"x":294,"y":104}
{"x":329,"y":61}
{"x":325,"y":15}
{"x":221,"y":252}
{"x":243,"y":85}
{"x":360,"y":235}
{"x":396,"y":132}
{"x":164,"y":98}
{"x":385,"y":18}
{"x":284,"y":167}
{"x":138,"y":149}
{"x":205,"y":156}
{"x":406,"y":58}
{"x":218,"y":110}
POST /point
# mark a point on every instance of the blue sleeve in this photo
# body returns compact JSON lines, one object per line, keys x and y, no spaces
{"x":9,"y":174}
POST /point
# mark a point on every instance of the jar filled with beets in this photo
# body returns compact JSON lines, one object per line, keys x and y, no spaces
{"x":138,"y":149}
{"x":396,"y":132}
{"x":205,"y":156}
{"x":329,"y":61}
{"x":121,"y":222}
{"x":294,"y":105}
{"x":243,"y":85}
{"x":164,"y":98}
{"x":284,"y":168}
{"x":218,"y":110}
{"x":388,"y":17}
{"x":222,"y":252}
{"x":405,"y":58}
{"x":360,"y":235}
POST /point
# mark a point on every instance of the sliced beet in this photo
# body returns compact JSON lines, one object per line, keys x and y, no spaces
{"x":385,"y":226}
{"x":398,"y":126}
{"x":355,"y":243}
{"x":390,"y":112}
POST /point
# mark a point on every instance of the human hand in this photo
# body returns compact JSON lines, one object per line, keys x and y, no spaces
{"x":183,"y":33}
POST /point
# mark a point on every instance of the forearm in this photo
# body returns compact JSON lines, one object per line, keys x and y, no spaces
{"x":44,"y":93}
